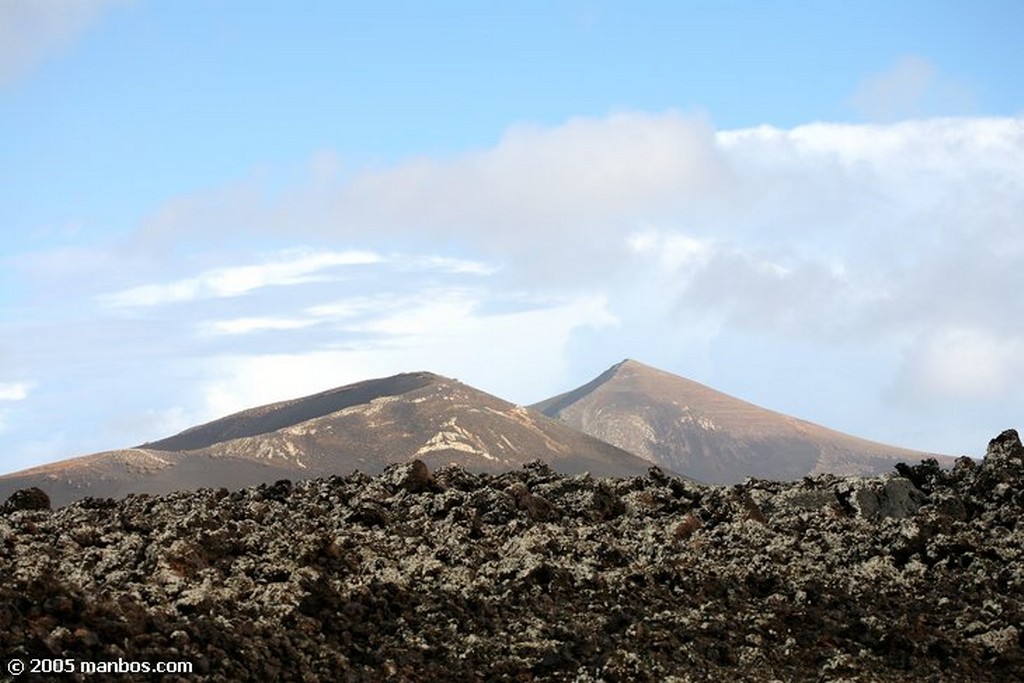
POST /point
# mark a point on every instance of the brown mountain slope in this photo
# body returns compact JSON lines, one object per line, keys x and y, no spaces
{"x":362,"y":426}
{"x":691,"y":429}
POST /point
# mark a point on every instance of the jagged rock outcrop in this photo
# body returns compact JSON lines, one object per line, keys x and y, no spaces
{"x":416,"y":575}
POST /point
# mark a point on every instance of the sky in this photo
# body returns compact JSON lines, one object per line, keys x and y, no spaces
{"x":205,"y":206}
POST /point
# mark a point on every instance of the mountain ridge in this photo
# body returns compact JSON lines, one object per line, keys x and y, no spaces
{"x":559,"y":401}
{"x":261,"y":419}
{"x":700,"y":432}
{"x":363,"y":426}
{"x":618,"y":424}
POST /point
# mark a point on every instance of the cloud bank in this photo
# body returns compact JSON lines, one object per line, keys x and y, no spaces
{"x":865,"y":276}
{"x":828,"y":231}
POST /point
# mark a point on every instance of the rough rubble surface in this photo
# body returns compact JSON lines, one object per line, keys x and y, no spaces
{"x":447,"y":575}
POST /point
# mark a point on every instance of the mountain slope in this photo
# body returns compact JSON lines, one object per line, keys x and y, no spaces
{"x":363,"y":426}
{"x":274,"y":416}
{"x":702,"y":433}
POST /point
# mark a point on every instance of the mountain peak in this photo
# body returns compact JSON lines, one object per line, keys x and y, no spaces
{"x":364,"y":426}
{"x":630,"y":365}
{"x":621,"y":370}
{"x":283,"y":414}
{"x":624,"y":364}
{"x":690,"y":428}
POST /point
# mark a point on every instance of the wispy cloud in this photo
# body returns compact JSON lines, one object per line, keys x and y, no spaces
{"x":14,"y":391}
{"x":444,"y":331}
{"x":288,"y":269}
{"x":32,"y":30}
{"x":354,"y":306}
{"x":451,"y":265}
{"x":911,"y":87}
{"x":237,"y":326}
{"x":11,"y":391}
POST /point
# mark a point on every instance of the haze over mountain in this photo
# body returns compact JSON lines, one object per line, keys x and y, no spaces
{"x":363,"y":426}
{"x":689,"y":428}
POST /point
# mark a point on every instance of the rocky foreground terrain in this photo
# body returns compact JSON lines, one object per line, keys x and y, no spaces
{"x":447,"y":575}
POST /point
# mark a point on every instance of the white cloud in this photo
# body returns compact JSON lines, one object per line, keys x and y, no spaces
{"x":443,"y":331}
{"x":290,"y":268}
{"x":911,"y":87}
{"x":674,"y":250}
{"x":965,"y":364}
{"x":32,"y":30}
{"x":11,"y":391}
{"x":559,"y":205}
{"x":632,"y":235}
{"x":439,"y":314}
{"x":352,"y":307}
{"x":455,"y":266}
{"x":824,"y":232}
{"x":14,"y":391}
{"x":536,"y":197}
{"x":148,"y":424}
{"x":238,"y":326}
{"x":404,"y":267}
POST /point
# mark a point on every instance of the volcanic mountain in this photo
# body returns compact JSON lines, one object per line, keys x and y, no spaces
{"x":689,"y":428}
{"x":363,"y":426}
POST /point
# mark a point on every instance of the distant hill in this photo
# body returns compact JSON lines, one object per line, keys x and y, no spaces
{"x":363,"y":426}
{"x":699,"y":432}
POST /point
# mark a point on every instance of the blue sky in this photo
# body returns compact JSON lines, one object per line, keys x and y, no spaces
{"x":209,"y":205}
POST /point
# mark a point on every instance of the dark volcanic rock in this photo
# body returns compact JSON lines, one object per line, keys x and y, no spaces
{"x":32,"y":498}
{"x":530,"y":574}
{"x":1006,"y":450}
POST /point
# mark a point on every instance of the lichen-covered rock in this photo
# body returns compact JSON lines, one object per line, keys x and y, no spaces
{"x":413,"y":477}
{"x":420,"y":576}
{"x":1006,"y":450}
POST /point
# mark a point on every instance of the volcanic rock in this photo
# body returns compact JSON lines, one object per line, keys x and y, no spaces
{"x":530,"y":574}
{"x":33,"y":498}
